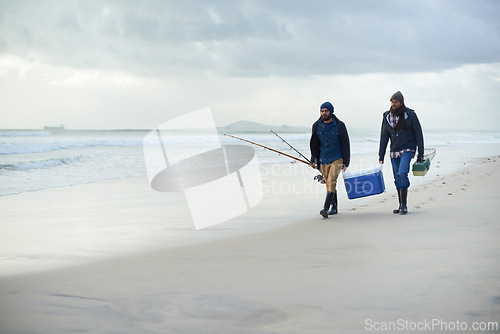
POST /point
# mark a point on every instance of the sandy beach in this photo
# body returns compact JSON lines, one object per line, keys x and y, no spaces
{"x":117,"y":257}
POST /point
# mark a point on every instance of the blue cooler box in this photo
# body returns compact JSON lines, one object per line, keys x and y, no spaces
{"x":364,"y":183}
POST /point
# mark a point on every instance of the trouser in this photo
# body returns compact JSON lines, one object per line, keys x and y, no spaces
{"x":331,"y":173}
{"x":400,"y":169}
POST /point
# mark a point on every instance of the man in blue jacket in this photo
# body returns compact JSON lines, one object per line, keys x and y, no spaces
{"x":330,"y":152}
{"x":401,"y":125}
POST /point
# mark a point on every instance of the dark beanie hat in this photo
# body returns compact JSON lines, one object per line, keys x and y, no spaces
{"x":328,"y":106}
{"x":398,"y":96}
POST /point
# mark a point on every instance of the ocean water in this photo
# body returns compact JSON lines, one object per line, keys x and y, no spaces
{"x":31,"y":160}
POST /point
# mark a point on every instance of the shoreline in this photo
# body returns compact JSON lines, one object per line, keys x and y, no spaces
{"x":359,"y":161}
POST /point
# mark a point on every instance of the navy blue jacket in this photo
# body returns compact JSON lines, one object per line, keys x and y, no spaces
{"x":314,"y":143}
{"x":411,"y":137}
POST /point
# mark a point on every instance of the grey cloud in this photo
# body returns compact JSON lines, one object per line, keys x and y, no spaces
{"x":254,"y":38}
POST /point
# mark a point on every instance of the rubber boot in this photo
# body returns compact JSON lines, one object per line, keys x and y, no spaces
{"x":328,"y":201}
{"x":404,"y":197}
{"x":333,"y":209}
{"x":398,"y":210}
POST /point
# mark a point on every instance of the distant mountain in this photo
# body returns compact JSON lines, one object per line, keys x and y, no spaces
{"x":248,"y":126}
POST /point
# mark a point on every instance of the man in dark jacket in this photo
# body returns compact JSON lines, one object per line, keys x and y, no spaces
{"x":400,"y":124}
{"x":330,"y":152}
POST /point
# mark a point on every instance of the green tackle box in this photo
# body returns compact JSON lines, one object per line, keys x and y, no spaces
{"x":421,"y":168}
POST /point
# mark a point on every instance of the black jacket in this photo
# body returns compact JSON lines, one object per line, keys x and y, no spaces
{"x":344,"y":142}
{"x":410,"y":137}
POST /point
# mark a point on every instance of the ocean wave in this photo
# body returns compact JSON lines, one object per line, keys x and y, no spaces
{"x":41,"y":164}
{"x":42,"y":147}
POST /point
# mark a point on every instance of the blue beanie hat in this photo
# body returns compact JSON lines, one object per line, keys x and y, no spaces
{"x":328,"y":106}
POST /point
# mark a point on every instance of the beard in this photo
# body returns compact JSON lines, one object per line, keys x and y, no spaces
{"x":325,"y":118}
{"x":393,"y":108}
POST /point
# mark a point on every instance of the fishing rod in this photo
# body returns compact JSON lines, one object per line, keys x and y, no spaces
{"x":293,"y":148}
{"x":318,"y":177}
{"x":270,"y":149}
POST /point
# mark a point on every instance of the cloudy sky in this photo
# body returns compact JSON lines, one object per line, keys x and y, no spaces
{"x":137,"y":64}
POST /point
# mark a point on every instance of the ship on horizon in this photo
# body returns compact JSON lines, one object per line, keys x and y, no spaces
{"x":49,"y":128}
